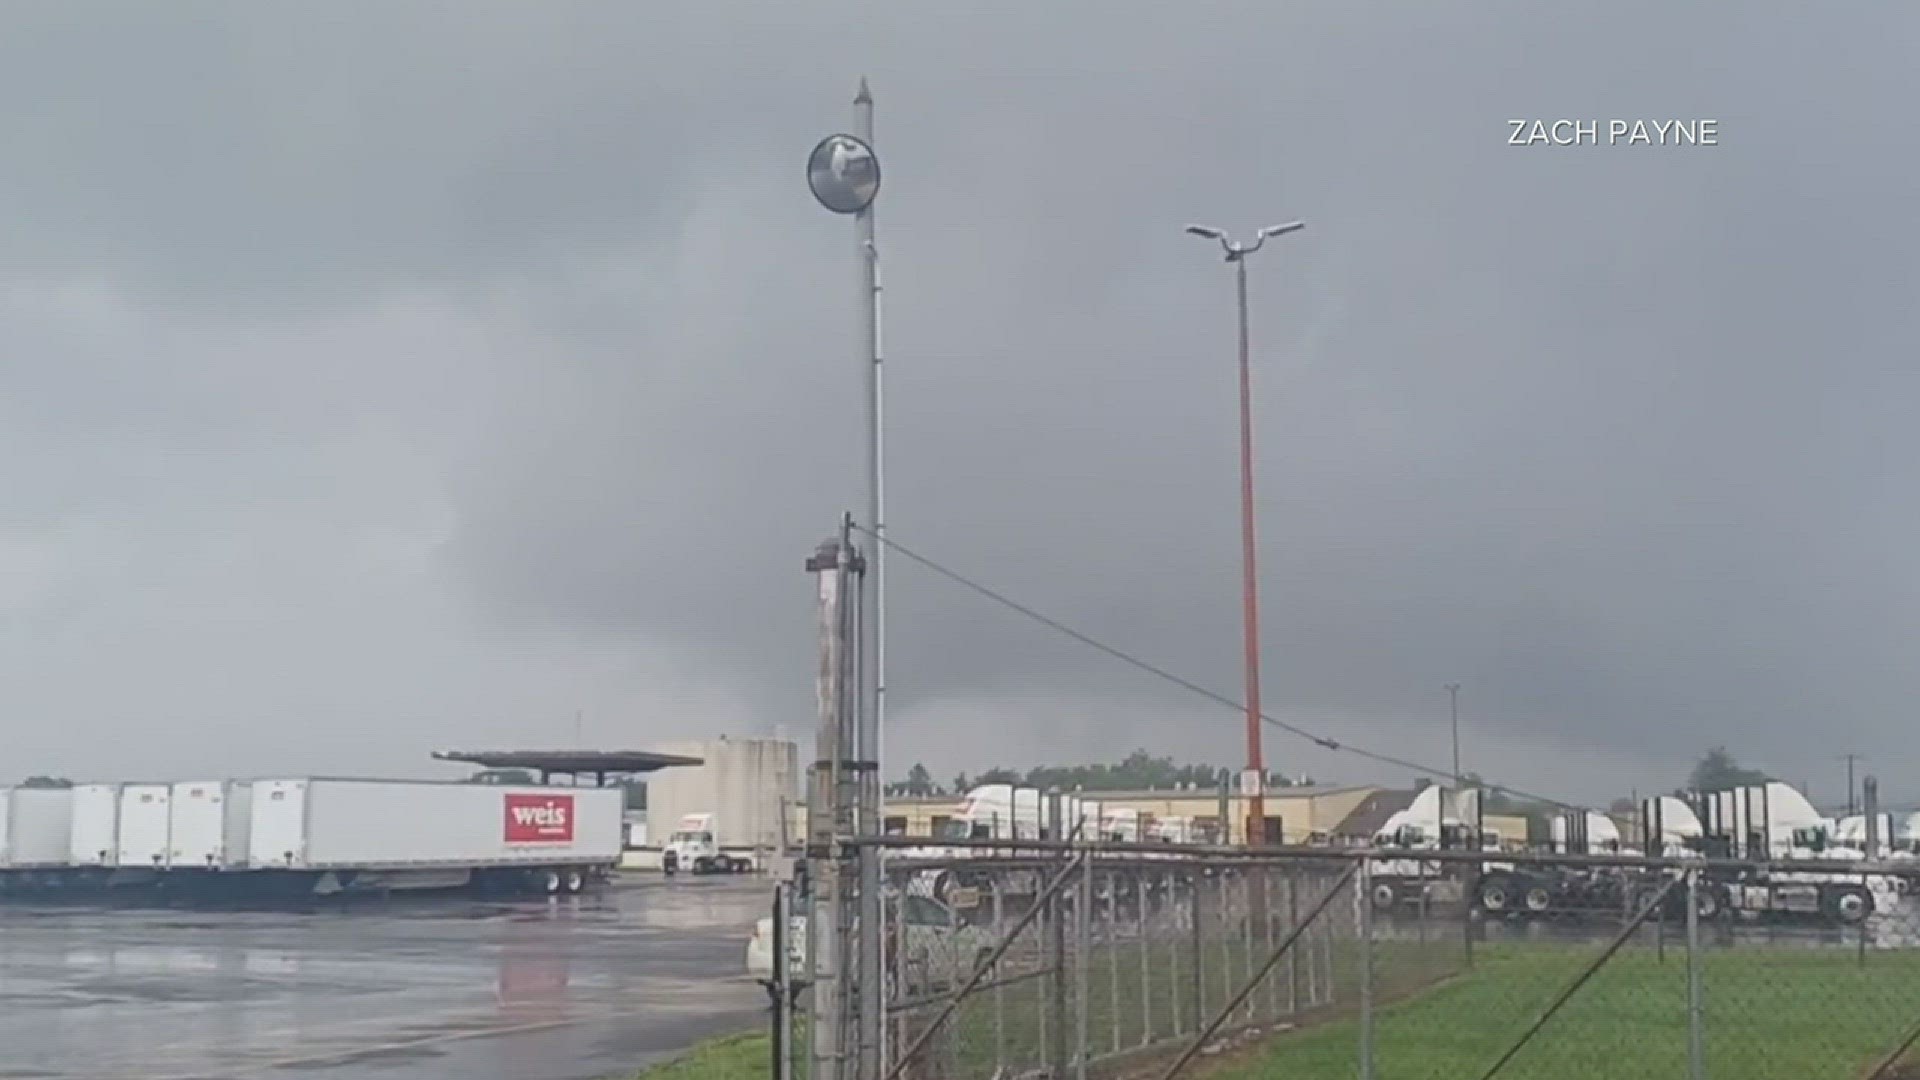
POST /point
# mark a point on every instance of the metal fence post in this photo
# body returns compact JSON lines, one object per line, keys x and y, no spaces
{"x":1057,"y":926}
{"x":903,"y":1023}
{"x":1113,"y":959}
{"x":999,"y":991}
{"x":1660,"y":940}
{"x":778,"y":982}
{"x":1143,"y":890}
{"x":1860,"y":938}
{"x":1476,"y":872}
{"x":1226,"y":933}
{"x":1082,"y":977}
{"x":1199,"y":951}
{"x":1174,"y":1015}
{"x":1696,"y":1042}
{"x":1266,"y":918}
{"x":1364,"y":893}
{"x":1247,"y":903}
{"x":1293,"y":920}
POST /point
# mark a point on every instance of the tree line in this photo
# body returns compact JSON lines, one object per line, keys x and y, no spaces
{"x":1138,"y":771}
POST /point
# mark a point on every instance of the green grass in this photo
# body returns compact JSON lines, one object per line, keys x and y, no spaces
{"x":735,"y":1057}
{"x":1769,"y":1013}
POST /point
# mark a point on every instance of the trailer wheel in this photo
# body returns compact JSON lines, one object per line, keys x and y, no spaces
{"x":1851,"y":904}
{"x":1383,"y":896}
{"x":550,"y":882}
{"x":575,"y":881}
{"x":1538,"y":899}
{"x":1493,"y":897}
{"x":1707,"y":903}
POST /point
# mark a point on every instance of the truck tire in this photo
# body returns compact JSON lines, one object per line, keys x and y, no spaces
{"x":1384,"y":896}
{"x":1538,"y":899}
{"x":575,"y":881}
{"x":1850,"y":904}
{"x":1493,"y":897}
{"x":702,"y":865}
{"x":669,"y":864}
{"x":550,"y":882}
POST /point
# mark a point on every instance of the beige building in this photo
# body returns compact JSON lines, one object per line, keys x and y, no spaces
{"x":1295,"y":814}
{"x":1300,"y":815}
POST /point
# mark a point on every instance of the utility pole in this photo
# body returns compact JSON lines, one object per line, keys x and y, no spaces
{"x":833,"y":802}
{"x":1253,"y":782}
{"x":1453,"y":695}
{"x":1850,"y":759}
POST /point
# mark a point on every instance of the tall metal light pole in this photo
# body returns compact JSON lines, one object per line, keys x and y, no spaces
{"x":1254,"y":781}
{"x":1453,"y":695}
{"x":844,"y":174}
{"x":873,"y":1053}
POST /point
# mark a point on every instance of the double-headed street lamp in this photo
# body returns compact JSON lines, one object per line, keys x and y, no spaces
{"x":1254,"y":781}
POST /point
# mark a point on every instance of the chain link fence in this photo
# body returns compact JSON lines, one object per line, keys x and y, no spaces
{"x":1126,"y":961}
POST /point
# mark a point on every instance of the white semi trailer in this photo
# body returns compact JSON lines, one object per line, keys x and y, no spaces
{"x":308,"y":836}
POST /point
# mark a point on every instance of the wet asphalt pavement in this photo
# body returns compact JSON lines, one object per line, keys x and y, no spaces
{"x":582,"y":988}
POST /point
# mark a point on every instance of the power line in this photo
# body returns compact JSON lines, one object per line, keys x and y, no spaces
{"x":1323,"y":741}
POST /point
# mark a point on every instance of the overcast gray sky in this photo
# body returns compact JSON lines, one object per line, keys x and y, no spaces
{"x":386,"y":376}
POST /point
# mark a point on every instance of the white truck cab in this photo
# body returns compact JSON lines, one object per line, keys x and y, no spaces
{"x":693,"y":847}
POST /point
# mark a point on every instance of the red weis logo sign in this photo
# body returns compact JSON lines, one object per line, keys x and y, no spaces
{"x":539,"y":819}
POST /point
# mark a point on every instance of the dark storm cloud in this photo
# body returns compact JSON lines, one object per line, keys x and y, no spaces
{"x":530,"y":307}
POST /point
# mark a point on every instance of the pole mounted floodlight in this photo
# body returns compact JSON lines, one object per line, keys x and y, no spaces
{"x":844,"y":174}
{"x":1237,"y":251}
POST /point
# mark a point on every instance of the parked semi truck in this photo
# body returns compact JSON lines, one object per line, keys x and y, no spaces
{"x":307,"y":836}
{"x":1771,"y":823}
{"x":1438,"y":819}
{"x":998,"y":812}
{"x":1759,"y":825}
{"x":693,"y":848}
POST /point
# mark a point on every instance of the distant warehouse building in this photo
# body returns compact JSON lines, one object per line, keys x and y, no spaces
{"x":746,"y":784}
{"x":1296,"y":815}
